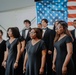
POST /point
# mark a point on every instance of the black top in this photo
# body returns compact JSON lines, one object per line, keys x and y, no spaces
{"x":21,"y":38}
{"x":34,"y":57}
{"x":23,"y":35}
{"x":61,"y":55}
{"x":2,"y":49}
{"x":48,"y":38}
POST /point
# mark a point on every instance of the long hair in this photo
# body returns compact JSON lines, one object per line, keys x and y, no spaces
{"x":66,"y":31}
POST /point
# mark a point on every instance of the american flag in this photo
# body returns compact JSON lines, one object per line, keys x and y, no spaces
{"x":54,"y":10}
{"x":71,"y":11}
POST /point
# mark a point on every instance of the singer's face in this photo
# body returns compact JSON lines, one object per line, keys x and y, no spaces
{"x":44,"y":24}
{"x":27,"y":25}
{"x":9,"y":33}
{"x":59,"y":29}
{"x":32,"y":34}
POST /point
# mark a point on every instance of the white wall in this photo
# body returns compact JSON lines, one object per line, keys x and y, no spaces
{"x":16,"y":18}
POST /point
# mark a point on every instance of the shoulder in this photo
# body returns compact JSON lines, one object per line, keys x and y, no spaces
{"x":29,"y":42}
{"x":68,"y":39}
{"x":21,"y":38}
{"x":41,"y":41}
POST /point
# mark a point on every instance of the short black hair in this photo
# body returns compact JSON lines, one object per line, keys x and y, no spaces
{"x":27,"y":21}
{"x":1,"y":32}
{"x":14,"y":32}
{"x":45,"y":20}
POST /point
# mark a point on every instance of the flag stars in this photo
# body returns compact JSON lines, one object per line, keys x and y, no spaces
{"x":50,"y":14}
{"x":39,"y":3}
{"x":56,"y":14}
{"x":59,"y":17}
{"x":45,"y":14}
{"x":44,"y":8}
{"x":56,"y":9}
{"x":53,"y":17}
{"x":40,"y":9}
{"x":48,"y":11}
{"x":48,"y":17}
{"x":40,"y":14}
{"x":44,"y":3}
{"x":51,"y":20}
{"x":53,"y":6}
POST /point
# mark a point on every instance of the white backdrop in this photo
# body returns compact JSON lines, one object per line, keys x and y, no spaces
{"x":16,"y":18}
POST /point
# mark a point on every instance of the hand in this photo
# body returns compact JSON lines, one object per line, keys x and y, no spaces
{"x":41,"y":71}
{"x":54,"y":67}
{"x":24,"y":69}
{"x":49,"y":52}
{"x":4,"y":64}
{"x":64,"y":70}
{"x":15,"y":65}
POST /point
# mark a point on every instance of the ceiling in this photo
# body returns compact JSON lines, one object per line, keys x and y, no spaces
{"x":8,"y":5}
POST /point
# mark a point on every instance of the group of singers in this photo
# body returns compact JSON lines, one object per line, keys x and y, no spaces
{"x":39,"y":51}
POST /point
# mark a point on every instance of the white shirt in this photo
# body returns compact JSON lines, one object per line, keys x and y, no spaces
{"x":43,"y":33}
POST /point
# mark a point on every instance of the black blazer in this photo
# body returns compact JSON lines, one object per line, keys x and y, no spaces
{"x":23,"y":35}
{"x":74,"y":42}
{"x":48,"y":39}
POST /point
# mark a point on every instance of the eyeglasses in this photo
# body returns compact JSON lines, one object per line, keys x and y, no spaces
{"x":57,"y":28}
{"x":31,"y":32}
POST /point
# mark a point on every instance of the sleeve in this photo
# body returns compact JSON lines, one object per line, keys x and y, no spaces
{"x":68,"y":39}
{"x":18,"y":41}
{"x":21,"y":38}
{"x":43,"y":47}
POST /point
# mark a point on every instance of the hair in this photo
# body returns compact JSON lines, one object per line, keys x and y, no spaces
{"x":44,"y":20}
{"x":1,"y":32}
{"x":66,"y":31}
{"x":39,"y":24}
{"x":14,"y":32}
{"x":38,"y":32}
{"x":74,"y":20}
{"x":54,"y":25}
{"x":17,"y":30}
{"x":27,"y":21}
